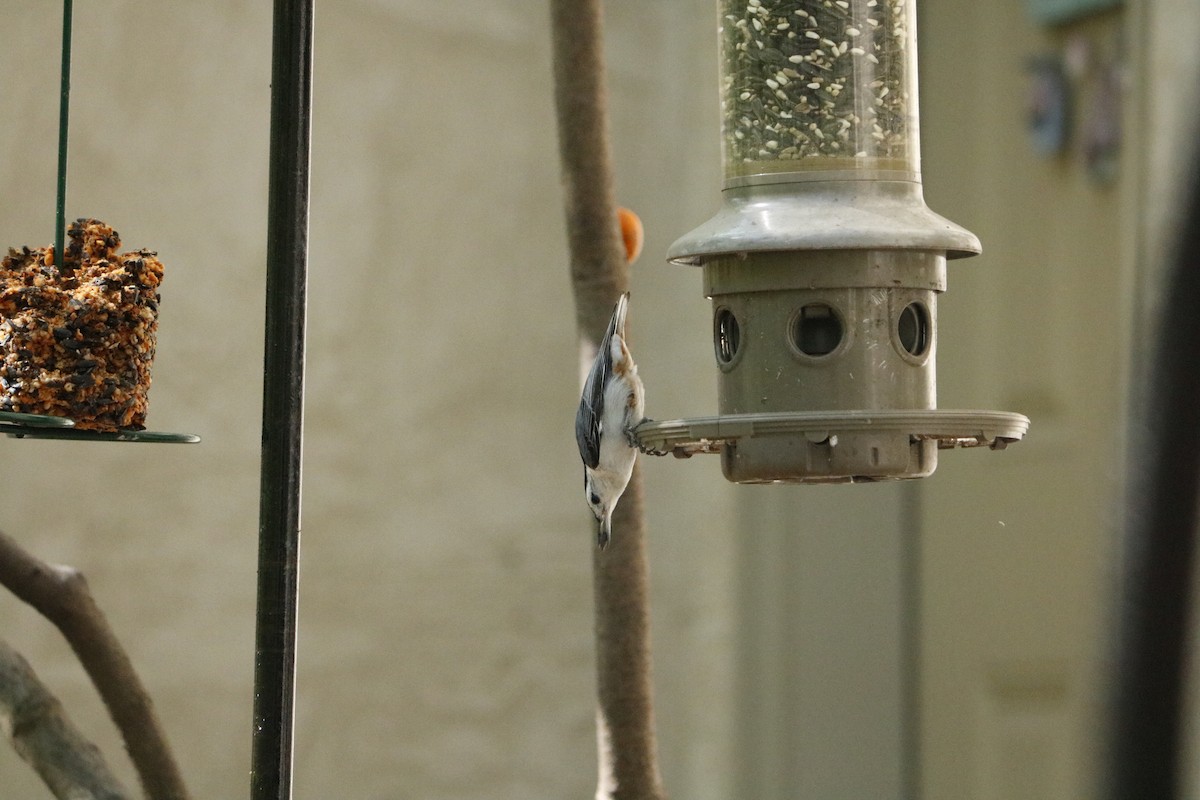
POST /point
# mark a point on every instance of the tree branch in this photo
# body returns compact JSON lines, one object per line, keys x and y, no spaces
{"x":599,"y":273}
{"x":61,"y":595}
{"x":45,"y":737}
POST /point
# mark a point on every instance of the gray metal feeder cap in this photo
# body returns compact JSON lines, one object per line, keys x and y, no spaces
{"x":865,"y":211}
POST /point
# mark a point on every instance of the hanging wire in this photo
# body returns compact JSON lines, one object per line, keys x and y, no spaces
{"x":64,"y":108}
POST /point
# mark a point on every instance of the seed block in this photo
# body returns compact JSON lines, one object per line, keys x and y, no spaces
{"x":77,"y":339}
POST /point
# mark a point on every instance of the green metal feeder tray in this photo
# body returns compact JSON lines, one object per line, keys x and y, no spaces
{"x":38,"y":426}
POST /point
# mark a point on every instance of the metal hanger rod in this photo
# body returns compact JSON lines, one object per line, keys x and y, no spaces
{"x":64,"y":108}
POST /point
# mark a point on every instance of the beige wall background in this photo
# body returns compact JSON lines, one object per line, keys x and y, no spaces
{"x":445,"y":624}
{"x":1021,"y":555}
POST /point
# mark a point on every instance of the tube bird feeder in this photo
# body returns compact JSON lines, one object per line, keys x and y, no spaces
{"x":824,"y":264}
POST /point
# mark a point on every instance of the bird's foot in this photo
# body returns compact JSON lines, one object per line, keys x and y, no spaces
{"x":636,"y":443}
{"x":632,"y":439}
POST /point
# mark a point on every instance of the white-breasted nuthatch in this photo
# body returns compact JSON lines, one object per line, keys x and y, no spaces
{"x":612,"y":405}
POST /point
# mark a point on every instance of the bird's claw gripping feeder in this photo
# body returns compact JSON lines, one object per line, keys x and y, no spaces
{"x":823,"y":263}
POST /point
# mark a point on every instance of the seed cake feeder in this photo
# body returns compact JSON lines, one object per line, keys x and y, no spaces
{"x":824,"y":263}
{"x":37,"y":426}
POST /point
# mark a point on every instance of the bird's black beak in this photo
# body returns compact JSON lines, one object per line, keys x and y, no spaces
{"x":603,"y":531}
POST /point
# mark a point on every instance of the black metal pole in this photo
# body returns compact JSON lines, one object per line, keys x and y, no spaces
{"x":283,"y":400}
{"x":1160,"y":546}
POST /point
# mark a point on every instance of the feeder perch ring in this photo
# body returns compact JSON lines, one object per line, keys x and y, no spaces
{"x":684,"y":438}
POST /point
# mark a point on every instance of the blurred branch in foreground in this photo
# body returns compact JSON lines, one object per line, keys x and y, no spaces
{"x":61,"y":595}
{"x":43,"y":735}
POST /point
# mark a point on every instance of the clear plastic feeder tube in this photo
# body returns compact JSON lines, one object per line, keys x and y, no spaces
{"x":819,"y":86}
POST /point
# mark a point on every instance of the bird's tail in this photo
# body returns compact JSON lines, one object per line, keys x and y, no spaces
{"x":617,"y":323}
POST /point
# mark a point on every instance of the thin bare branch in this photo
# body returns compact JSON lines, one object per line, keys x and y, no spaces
{"x":599,"y":273}
{"x":45,"y":737}
{"x":61,"y":595}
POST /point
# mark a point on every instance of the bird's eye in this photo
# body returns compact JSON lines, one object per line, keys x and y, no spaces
{"x":594,"y":499}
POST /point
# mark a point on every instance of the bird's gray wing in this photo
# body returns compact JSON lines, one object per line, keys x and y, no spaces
{"x":587,"y":419}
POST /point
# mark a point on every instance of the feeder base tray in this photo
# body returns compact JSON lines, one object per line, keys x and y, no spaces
{"x":831,"y":446}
